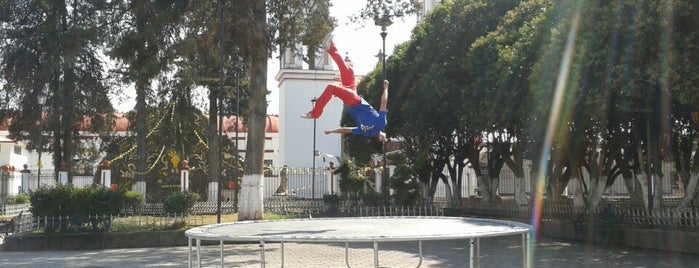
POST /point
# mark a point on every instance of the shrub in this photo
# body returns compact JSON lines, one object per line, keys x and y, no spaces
{"x":17,"y":199}
{"x":331,"y":199}
{"x":180,"y":202}
{"x":50,"y":202}
{"x":134,"y":200}
{"x":82,"y":205}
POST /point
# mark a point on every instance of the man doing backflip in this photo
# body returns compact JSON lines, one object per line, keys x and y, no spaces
{"x":369,"y":122}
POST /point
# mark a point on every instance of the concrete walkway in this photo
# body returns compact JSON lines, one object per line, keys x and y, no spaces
{"x":495,"y":252}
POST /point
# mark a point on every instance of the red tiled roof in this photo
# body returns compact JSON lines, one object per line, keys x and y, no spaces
{"x":121,"y":124}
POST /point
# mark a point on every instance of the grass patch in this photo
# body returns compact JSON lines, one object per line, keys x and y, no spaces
{"x":153,"y":223}
{"x":271,"y":216}
{"x":147,"y":223}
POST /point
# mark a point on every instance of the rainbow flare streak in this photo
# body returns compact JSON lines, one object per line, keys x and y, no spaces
{"x":554,"y":119}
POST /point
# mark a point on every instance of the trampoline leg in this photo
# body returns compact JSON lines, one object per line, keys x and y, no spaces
{"x":525,"y":250}
{"x":347,"y":255}
{"x":221,"y":253}
{"x":376,"y":254}
{"x":282,"y":259}
{"x":478,"y":252}
{"x":471,"y":254}
{"x":262,"y":253}
{"x":198,"y":252}
{"x":189,"y":243}
{"x":419,"y":246}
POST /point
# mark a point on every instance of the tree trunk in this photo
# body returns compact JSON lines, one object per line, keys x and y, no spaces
{"x":251,"y":202}
{"x":579,"y":194}
{"x":520,"y":196}
{"x":657,"y":192}
{"x":643,"y":181}
{"x":690,"y":191}
{"x":448,"y":192}
{"x":213,"y":151}
{"x":484,"y":188}
{"x":141,"y":132}
{"x":634,"y":189}
{"x":494,"y":186}
{"x":596,"y":191}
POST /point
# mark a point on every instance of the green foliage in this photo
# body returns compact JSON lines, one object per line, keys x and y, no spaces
{"x":51,"y":202}
{"x":180,"y":202}
{"x":406,"y":188}
{"x":53,"y":47}
{"x":134,"y":201}
{"x":353,"y":183}
{"x":374,"y":199}
{"x":17,"y":199}
{"x":331,"y":199}
{"x":79,"y":205}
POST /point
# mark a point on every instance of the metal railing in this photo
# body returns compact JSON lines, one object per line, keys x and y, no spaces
{"x":27,"y":223}
{"x":609,"y":213}
{"x":13,"y":210}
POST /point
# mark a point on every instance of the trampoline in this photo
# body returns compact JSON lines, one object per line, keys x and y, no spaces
{"x":359,"y":229}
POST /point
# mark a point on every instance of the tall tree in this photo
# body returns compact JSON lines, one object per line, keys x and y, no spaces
{"x":144,"y":34}
{"x":500,"y":67}
{"x":443,"y":84}
{"x":53,"y":47}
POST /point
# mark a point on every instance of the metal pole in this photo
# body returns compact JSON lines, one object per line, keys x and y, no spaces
{"x":41,"y":136}
{"x":384,"y":176}
{"x":383,"y":55}
{"x":313,"y":181}
{"x":41,"y":99}
{"x":237,"y":116}
{"x":220,"y":106}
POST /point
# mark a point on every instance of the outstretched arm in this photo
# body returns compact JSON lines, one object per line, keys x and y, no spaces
{"x":384,"y":96}
{"x":342,"y":130}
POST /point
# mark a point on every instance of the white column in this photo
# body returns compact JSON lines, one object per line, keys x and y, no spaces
{"x":213,"y":192}
{"x":25,"y":181}
{"x":106,"y":178}
{"x":184,"y":180}
{"x":140,"y":186}
{"x":63,"y":177}
{"x":391,"y":169}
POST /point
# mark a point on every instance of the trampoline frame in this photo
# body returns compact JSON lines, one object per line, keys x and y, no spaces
{"x":203,"y":233}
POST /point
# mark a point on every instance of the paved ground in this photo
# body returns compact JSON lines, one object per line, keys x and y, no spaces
{"x":495,"y":252}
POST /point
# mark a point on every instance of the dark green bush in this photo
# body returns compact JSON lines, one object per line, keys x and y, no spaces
{"x":81,"y":205}
{"x":180,"y":202}
{"x":331,"y":199}
{"x":134,"y":200}
{"x":50,"y":202}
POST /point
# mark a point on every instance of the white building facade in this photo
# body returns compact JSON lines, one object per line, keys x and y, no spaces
{"x":298,"y":86}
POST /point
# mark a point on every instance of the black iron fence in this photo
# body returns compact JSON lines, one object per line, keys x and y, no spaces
{"x":611,"y":211}
{"x":153,"y":215}
{"x":306,"y":183}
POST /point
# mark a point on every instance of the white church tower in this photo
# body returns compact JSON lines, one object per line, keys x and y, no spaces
{"x":298,"y":86}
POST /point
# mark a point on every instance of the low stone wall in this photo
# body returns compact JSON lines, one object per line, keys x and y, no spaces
{"x":615,"y":235}
{"x":666,"y":240}
{"x":80,"y":241}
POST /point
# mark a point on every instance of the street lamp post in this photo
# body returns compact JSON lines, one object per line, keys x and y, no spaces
{"x":383,"y":21}
{"x":41,"y":99}
{"x":313,"y":180}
